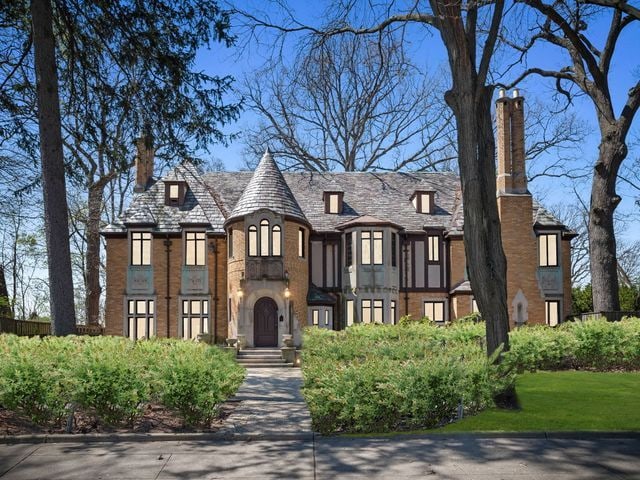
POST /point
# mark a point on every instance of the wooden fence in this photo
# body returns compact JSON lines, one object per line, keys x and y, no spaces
{"x":31,"y":329}
{"x":610,"y":316}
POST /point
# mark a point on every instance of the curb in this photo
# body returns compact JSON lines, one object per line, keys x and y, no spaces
{"x":152,"y":437}
{"x":579,"y":435}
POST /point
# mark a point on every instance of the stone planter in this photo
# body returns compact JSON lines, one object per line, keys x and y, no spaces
{"x":242,"y":342}
{"x":204,"y":338}
{"x":232,"y":342}
{"x":287,"y":340}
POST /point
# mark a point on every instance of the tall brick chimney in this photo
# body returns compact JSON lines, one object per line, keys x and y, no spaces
{"x":144,"y":163}
{"x":512,"y":175}
{"x":515,"y":206}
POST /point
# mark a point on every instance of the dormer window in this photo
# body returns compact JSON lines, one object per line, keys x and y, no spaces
{"x":174,"y":193}
{"x":333,"y":202}
{"x":423,"y":201}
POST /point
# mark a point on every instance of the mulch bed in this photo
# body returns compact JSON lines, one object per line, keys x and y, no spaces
{"x":155,"y":419}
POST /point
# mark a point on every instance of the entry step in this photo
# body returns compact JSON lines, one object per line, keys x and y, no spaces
{"x":262,"y":358}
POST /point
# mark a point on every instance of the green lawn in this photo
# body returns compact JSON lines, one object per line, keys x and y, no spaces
{"x":565,"y":401}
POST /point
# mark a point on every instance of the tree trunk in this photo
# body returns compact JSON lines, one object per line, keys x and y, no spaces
{"x":56,"y":222}
{"x":5,"y":305}
{"x":92,"y":258}
{"x":482,"y":238}
{"x":602,"y":239}
{"x":470,"y":101}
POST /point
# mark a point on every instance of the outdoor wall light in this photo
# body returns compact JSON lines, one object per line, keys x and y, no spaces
{"x":240,"y":293}
{"x":287,"y":292}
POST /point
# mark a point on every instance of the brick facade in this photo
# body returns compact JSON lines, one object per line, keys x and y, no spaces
{"x":225,"y":205}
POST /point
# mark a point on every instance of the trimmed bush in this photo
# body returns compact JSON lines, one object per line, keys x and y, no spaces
{"x":593,"y":344}
{"x":33,"y":378}
{"x":375,"y":378}
{"x":113,"y":378}
{"x":195,"y":385}
{"x":386,"y":377}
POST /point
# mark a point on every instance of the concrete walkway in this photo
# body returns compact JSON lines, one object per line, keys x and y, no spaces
{"x":450,"y":458}
{"x":270,"y":406}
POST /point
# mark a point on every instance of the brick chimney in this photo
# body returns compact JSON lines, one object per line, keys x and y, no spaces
{"x":144,"y":163}
{"x":512,"y":176}
{"x":515,"y":206}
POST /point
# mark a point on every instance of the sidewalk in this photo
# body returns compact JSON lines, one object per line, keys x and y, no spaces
{"x":451,"y":458}
{"x":271,"y":406}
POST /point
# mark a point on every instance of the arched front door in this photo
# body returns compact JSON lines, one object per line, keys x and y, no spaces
{"x":265,"y":323}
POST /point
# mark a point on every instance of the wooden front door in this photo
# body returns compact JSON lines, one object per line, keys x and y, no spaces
{"x":265,"y":323}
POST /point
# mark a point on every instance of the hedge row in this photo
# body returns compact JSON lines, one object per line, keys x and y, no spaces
{"x":374,"y":378}
{"x":113,"y":378}
{"x":594,"y":345}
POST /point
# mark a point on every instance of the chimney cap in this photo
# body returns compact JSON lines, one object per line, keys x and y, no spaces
{"x":516,"y":93}
{"x":501,"y":93}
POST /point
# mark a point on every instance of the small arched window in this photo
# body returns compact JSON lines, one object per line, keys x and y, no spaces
{"x":253,"y":241}
{"x":276,"y":241}
{"x":264,"y":238}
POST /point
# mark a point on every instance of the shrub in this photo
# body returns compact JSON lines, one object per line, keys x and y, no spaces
{"x":113,"y":378}
{"x":415,"y":375}
{"x":109,"y":381}
{"x":396,"y":377}
{"x":32,"y":378}
{"x":592,"y":344}
{"x":194,"y":385}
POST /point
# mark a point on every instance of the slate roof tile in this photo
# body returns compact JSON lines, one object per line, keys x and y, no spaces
{"x":215,"y":198}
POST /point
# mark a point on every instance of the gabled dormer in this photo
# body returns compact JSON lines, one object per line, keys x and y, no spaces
{"x":174,"y":193}
{"x":424,"y":201}
{"x":333,"y":202}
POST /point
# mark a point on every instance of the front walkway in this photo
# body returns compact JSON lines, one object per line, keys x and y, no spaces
{"x":270,"y":407}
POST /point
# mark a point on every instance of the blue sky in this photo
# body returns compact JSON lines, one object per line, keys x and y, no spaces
{"x":427,"y":52}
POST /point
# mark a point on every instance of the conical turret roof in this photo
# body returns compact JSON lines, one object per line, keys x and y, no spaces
{"x":267,"y":189}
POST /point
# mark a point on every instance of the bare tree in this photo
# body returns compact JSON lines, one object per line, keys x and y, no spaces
{"x":351,"y":103}
{"x":554,"y":139}
{"x":564,"y":24}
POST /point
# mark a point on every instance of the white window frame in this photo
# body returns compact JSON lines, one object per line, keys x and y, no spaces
{"x":367,"y":310}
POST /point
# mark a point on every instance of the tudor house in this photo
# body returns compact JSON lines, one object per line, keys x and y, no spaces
{"x":265,"y":253}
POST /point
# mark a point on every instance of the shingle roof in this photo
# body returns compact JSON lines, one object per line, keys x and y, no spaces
{"x":215,"y":198}
{"x":148,"y":208}
{"x":267,"y":189}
